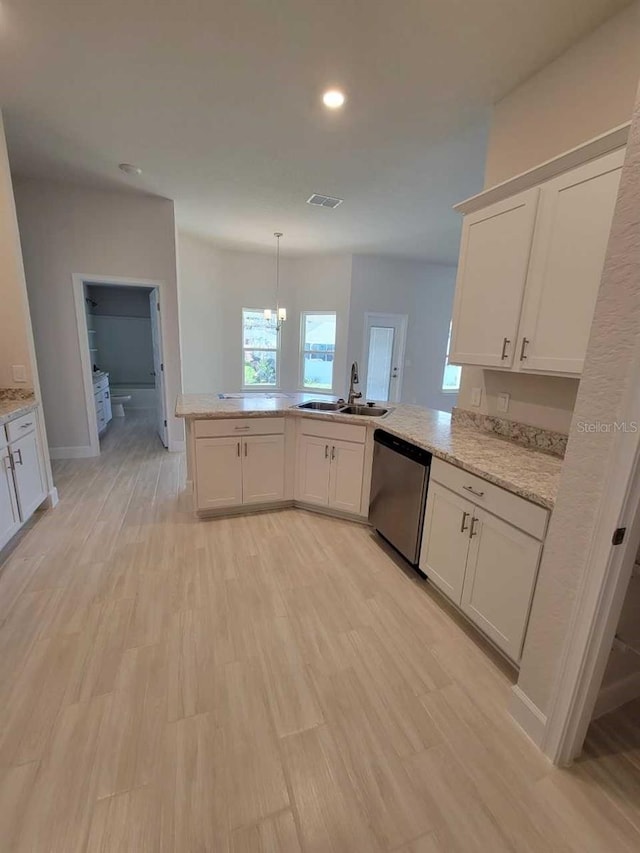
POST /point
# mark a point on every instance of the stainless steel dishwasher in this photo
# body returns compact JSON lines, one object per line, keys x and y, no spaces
{"x":399,"y":492}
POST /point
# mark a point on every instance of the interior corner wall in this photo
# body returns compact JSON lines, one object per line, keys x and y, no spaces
{"x":422,"y":291}
{"x":611,"y":367}
{"x":68,"y":229}
{"x":585,"y":92}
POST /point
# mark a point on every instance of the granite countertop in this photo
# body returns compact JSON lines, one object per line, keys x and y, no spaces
{"x":526,"y":472}
{"x":10,"y":409}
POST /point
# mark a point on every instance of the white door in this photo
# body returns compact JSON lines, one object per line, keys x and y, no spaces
{"x":499,"y":581}
{"x":445,"y":540}
{"x":313,"y":470}
{"x":218,"y":472}
{"x":28,"y":475}
{"x":158,"y":364}
{"x":492,"y":272}
{"x":345,"y":476}
{"x":384,"y":343}
{"x":262,"y":468}
{"x":572,"y":232}
{"x":9,"y":516}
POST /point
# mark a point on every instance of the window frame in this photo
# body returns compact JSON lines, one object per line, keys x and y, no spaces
{"x":444,"y":390}
{"x":313,"y":389}
{"x":277,"y":350}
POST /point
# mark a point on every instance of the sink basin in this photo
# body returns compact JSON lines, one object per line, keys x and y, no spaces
{"x":321,"y":406}
{"x":369,"y":411}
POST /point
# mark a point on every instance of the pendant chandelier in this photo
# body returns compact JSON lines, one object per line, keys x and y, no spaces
{"x":281,"y":313}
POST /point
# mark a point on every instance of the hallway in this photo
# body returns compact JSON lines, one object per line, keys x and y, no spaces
{"x":268,"y":683}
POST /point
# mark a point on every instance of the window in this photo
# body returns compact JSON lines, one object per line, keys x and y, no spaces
{"x":317,"y":348}
{"x":451,"y":378}
{"x":260,"y":350}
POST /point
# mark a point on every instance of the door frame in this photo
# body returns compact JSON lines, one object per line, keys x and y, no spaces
{"x":382,"y":315}
{"x":79,"y":281}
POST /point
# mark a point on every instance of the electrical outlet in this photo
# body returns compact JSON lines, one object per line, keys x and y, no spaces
{"x":503,"y":401}
{"x":476,"y":396}
{"x":19,"y":372}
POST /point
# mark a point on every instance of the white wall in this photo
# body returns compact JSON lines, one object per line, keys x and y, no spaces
{"x":425,"y":293}
{"x":585,"y":92}
{"x":67,"y":229}
{"x":216,"y":284}
{"x":612,"y":367}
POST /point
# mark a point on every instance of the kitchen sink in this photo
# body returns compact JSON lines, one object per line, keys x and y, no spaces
{"x":321,"y":406}
{"x":369,"y":411}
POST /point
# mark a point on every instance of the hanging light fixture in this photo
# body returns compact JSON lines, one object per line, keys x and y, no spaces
{"x":281,"y":313}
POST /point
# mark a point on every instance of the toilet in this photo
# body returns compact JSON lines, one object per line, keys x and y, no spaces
{"x":117,"y":405}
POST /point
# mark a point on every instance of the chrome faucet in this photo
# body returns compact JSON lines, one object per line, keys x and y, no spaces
{"x":353,"y":394}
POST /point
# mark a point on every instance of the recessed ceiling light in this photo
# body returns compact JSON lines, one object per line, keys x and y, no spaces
{"x":333,"y":99}
{"x":130,"y":169}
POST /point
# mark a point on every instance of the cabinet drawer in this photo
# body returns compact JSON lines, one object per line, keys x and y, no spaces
{"x":517,"y":511}
{"x":239,"y":426}
{"x":332,"y":430}
{"x":101,"y":385}
{"x":21,"y":426}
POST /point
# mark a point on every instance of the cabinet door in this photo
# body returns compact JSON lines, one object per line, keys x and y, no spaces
{"x":345,"y":479}
{"x":313,"y":470}
{"x":572,"y":232}
{"x":262,"y":469}
{"x":492,"y":271}
{"x":499,"y":581}
{"x":28,"y":474}
{"x":218,"y":472}
{"x":445,"y":540}
{"x":9,"y":516}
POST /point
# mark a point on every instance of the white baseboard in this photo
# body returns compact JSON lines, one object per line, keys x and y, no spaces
{"x":81,"y":452}
{"x":615,"y":695}
{"x":177,"y":446}
{"x":528,"y":716}
{"x":51,"y":499}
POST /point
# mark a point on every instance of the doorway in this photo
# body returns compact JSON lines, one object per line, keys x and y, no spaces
{"x":121,"y":348}
{"x":384,"y":344}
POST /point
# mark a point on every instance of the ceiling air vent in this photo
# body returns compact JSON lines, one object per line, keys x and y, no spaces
{"x":324,"y":201}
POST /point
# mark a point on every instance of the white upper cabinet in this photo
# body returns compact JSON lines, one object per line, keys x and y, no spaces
{"x":494,"y":258}
{"x":571,"y":236}
{"x":530,"y":268}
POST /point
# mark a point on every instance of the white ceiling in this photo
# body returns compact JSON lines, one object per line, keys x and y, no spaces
{"x":219,"y":103}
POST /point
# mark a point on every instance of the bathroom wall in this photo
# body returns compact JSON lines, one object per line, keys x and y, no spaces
{"x":121,"y":320}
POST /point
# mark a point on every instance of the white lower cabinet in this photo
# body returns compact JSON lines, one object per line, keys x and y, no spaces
{"x":484,"y":564}
{"x":330,"y":473}
{"x":233,"y":470}
{"x":499,"y":580}
{"x":219,"y":472}
{"x":9,"y":515}
{"x":28,"y":474}
{"x":262,"y":469}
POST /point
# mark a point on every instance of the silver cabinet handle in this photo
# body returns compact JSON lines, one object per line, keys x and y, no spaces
{"x":238,"y":448}
{"x":472,"y":531}
{"x":463,"y":526}
{"x":245,"y":449}
{"x":473,"y":491}
{"x":333,"y":453}
{"x":525,"y":341}
{"x":505,"y":343}
{"x":19,"y":452}
{"x":326,"y":451}
{"x":27,"y":425}
{"x":242,"y":427}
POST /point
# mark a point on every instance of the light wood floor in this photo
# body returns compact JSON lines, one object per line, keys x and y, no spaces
{"x":267,"y":683}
